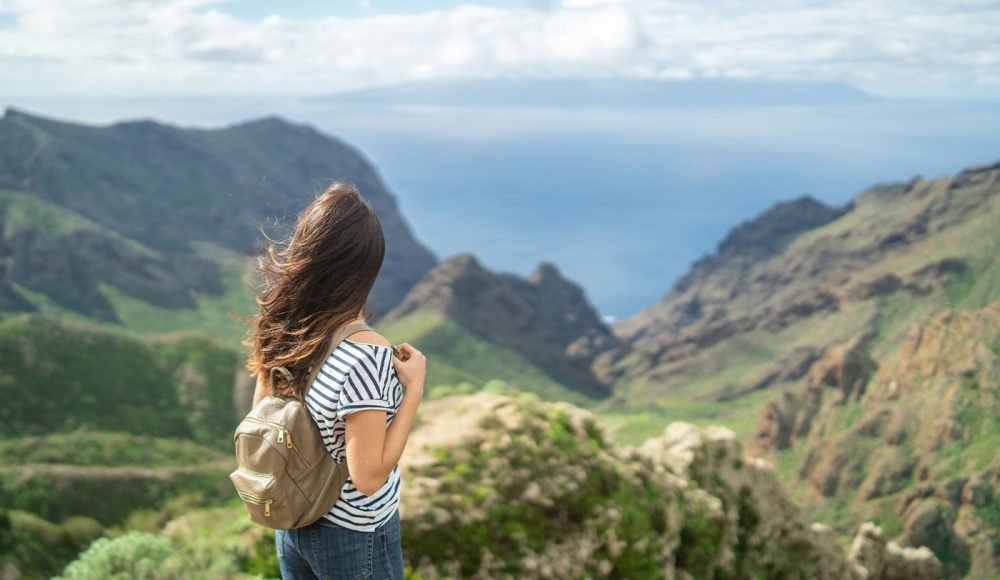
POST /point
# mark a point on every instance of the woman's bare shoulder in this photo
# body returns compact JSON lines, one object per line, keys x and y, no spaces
{"x":370,"y":337}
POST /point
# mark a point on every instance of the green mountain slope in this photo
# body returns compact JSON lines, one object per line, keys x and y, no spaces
{"x":857,"y":348}
{"x":539,"y":331}
{"x":166,"y":187}
{"x":799,"y":279}
{"x":61,"y":375}
{"x":459,"y":355}
{"x":55,"y":256}
{"x":908,"y":438}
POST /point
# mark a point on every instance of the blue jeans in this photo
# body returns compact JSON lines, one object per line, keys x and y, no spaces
{"x":328,"y":551}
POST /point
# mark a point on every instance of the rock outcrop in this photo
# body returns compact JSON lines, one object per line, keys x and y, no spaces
{"x":924,"y":436}
{"x":803,"y":277}
{"x":546,"y":317}
{"x":501,"y":486}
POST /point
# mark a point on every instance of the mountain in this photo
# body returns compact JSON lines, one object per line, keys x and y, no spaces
{"x":801,"y":277}
{"x":62,"y":375}
{"x":168,"y":188}
{"x":909,"y":437}
{"x":858,"y":348}
{"x":542,"y":325}
{"x":56,"y":253}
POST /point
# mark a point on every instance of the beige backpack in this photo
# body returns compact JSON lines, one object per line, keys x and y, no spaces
{"x":285,"y":475}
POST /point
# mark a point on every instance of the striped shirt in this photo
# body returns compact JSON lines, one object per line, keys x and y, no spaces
{"x":357,"y":376}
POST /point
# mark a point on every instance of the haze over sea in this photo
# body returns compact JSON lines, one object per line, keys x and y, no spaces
{"x":621,"y":198}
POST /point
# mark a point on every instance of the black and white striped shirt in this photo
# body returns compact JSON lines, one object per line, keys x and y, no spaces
{"x":357,"y":376}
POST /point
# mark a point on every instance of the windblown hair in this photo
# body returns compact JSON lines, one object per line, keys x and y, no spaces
{"x":319,"y":281}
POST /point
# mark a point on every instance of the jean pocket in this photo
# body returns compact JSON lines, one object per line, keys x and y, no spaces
{"x":279,"y":543}
{"x":344,"y":553}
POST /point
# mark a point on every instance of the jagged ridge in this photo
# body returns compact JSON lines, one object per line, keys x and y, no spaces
{"x":545,"y":318}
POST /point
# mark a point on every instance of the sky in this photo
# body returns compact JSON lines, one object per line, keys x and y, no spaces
{"x":898,"y":48}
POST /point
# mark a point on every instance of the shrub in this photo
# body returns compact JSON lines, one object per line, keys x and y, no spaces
{"x":135,"y":555}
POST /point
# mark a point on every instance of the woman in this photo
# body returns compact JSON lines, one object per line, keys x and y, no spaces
{"x":364,"y":399}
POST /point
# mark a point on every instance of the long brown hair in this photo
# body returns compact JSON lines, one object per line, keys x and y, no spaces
{"x":318,"y":282}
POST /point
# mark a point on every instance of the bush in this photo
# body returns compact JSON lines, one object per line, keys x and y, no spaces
{"x":135,"y":555}
{"x":61,"y":375}
{"x":39,"y":548}
{"x":66,"y":492}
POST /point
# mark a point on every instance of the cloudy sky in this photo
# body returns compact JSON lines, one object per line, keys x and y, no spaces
{"x":907,"y":48}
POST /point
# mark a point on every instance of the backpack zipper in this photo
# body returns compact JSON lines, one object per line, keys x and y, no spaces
{"x":281,"y":428}
{"x":258,"y":501}
{"x":255,"y":473}
{"x":296,"y":449}
{"x":284,"y":436}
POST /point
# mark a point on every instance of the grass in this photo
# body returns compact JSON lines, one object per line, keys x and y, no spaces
{"x":99,"y":448}
{"x":789,"y":461}
{"x":61,"y":375}
{"x":26,"y":211}
{"x":212,"y":312}
{"x":632,"y":427}
{"x":43,"y":304}
{"x":976,"y":410}
{"x":746,"y":358}
{"x":109,"y":494}
{"x":462,"y":356}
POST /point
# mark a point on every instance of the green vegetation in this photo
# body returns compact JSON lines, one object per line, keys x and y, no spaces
{"x":22,"y":211}
{"x":109,"y":494}
{"x":976,"y":409}
{"x":509,"y":521}
{"x":105,"y":449}
{"x":630,"y":427}
{"x":40,"y":548}
{"x":65,"y":259}
{"x":212,"y":311}
{"x":462,"y":356}
{"x":702,"y":538}
{"x":134,"y":555}
{"x":60,"y":376}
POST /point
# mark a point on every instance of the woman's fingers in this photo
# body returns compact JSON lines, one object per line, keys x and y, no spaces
{"x":408,"y":351}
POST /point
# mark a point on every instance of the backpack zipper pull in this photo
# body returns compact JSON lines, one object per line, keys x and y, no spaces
{"x":267,"y":508}
{"x":288,"y":440}
{"x":281,"y":434}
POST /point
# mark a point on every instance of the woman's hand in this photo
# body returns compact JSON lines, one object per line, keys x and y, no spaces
{"x":411,"y":367}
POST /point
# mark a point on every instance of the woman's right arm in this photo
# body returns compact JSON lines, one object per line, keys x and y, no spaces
{"x":372,"y":449}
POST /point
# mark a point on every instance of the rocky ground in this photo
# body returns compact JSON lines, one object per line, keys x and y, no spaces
{"x":510,"y":487}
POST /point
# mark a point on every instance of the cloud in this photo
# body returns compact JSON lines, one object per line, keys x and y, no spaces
{"x":194,"y":46}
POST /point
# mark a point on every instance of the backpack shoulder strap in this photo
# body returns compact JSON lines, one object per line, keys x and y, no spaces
{"x":338,"y":337}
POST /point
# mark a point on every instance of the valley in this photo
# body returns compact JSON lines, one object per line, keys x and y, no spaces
{"x":826,"y":364}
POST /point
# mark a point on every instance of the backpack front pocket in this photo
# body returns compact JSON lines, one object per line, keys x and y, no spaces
{"x":263,"y":497}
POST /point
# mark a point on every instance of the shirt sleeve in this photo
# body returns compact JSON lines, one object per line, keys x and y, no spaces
{"x":366,"y":384}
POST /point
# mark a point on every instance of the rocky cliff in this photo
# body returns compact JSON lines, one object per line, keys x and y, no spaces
{"x":866,"y":336}
{"x":801,"y":277}
{"x":545,"y":318}
{"x":909,"y":437}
